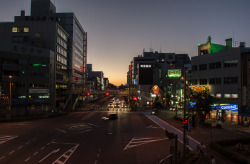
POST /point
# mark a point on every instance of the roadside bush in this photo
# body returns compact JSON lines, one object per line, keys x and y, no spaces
{"x":221,"y":147}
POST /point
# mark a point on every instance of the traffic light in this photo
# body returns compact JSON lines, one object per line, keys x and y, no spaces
{"x":106,"y":93}
{"x":135,"y":98}
{"x":185,"y":124}
{"x":88,"y":94}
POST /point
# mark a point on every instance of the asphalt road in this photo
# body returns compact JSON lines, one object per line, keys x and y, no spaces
{"x":83,"y":137}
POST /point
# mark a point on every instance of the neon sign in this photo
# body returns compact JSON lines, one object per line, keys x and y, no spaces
{"x":174,"y":73}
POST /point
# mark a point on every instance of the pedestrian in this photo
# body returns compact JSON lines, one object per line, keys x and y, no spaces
{"x":212,"y":160}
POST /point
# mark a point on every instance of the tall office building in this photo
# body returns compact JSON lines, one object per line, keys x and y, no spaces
{"x":78,"y":38}
{"x":62,"y":40}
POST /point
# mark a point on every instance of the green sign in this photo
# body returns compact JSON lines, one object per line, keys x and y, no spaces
{"x":174,"y":73}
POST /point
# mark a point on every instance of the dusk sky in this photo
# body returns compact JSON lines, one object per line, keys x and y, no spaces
{"x":119,"y":30}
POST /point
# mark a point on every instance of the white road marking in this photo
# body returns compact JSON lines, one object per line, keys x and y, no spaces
{"x":165,"y":158}
{"x":2,"y":157}
{"x":141,"y":141}
{"x":27,"y":159}
{"x":27,"y":143}
{"x":11,"y":152}
{"x":95,"y":161}
{"x":86,"y":130}
{"x":6,"y":138}
{"x":63,"y":158}
{"x":93,"y":125}
{"x":42,"y":148}
{"x":35,"y":153}
{"x":152,"y":126}
{"x":20,"y":147}
{"x":48,"y":143}
{"x":61,"y":130}
{"x":98,"y":155}
{"x":54,"y":151}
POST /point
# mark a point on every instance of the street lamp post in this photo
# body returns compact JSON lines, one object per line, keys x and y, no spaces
{"x":184,"y":115}
{"x":10,"y":77}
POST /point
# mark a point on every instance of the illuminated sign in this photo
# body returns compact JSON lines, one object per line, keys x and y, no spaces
{"x":153,"y":95}
{"x":174,"y":73}
{"x":36,"y":65}
{"x":134,"y":81}
{"x":43,"y":97}
{"x":199,"y":88}
{"x":233,"y":107}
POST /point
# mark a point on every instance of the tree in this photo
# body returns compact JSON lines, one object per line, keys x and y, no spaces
{"x":157,"y":103}
{"x":203,"y":104}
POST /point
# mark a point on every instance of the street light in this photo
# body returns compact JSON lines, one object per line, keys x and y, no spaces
{"x":10,"y":77}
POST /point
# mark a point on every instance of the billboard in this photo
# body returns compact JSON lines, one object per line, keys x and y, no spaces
{"x":145,"y":74}
{"x":174,"y":73}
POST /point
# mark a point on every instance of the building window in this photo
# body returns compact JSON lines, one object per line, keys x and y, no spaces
{"x":215,"y":81}
{"x":203,"y":81}
{"x":203,"y":67}
{"x":230,"y":63}
{"x":230,"y":80}
{"x":15,"y":29}
{"x":194,"y":82}
{"x":218,"y":95}
{"x":26,"y":29}
{"x":194,"y":68}
{"x":215,"y":65}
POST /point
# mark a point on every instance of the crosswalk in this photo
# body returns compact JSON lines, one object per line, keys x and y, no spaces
{"x":4,"y":139}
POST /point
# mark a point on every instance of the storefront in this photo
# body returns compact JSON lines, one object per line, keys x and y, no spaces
{"x":225,"y":112}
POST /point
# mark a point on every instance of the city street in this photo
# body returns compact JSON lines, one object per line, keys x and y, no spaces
{"x":83,"y":137}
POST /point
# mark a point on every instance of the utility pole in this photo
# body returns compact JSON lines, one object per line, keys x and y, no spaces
{"x":10,"y":95}
{"x":184,"y":115}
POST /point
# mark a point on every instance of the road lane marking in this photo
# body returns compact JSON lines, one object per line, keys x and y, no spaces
{"x":141,"y":141}
{"x":54,"y":151}
{"x":2,"y":157}
{"x":165,"y":158}
{"x":35,"y":153}
{"x":152,"y":126}
{"x":95,"y":161}
{"x":63,"y":158}
{"x":27,"y":159}
{"x":42,"y":148}
{"x":48,"y":143}
{"x":6,"y":138}
{"x":20,"y":147}
{"x":61,"y":130}
{"x":27,"y":143}
{"x":191,"y":145}
{"x":93,"y":124}
{"x":11,"y":152}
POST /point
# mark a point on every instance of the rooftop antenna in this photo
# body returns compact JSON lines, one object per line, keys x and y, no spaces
{"x":150,"y":49}
{"x":160,"y":47}
{"x":233,"y":40}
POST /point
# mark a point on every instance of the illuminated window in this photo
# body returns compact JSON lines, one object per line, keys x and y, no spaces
{"x":218,"y":95}
{"x":26,"y":29}
{"x":14,"y":29}
{"x":227,"y":96}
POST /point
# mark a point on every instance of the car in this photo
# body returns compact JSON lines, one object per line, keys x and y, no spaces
{"x":153,"y":112}
{"x":111,"y":116}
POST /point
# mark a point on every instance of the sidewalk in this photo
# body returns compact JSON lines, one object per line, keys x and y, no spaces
{"x":208,"y":134}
